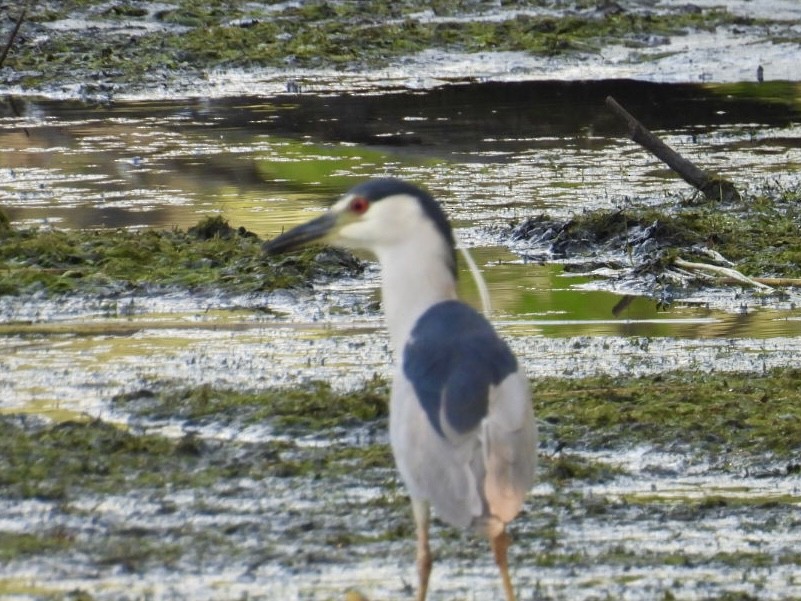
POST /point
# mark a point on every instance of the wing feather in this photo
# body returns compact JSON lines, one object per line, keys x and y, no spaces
{"x":461,"y":423}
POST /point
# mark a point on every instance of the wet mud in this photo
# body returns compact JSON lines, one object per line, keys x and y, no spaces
{"x":186,"y":48}
{"x":215,"y":494}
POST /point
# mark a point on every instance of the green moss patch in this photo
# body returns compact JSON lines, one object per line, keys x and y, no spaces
{"x":63,"y":460}
{"x":311,"y":407}
{"x":68,"y":460}
{"x":760,"y":234}
{"x":364,"y":34}
{"x":710,"y":412}
{"x":707,"y":412}
{"x":14,"y":545}
{"x":202,"y":35}
{"x":211,"y":255}
{"x":58,"y":461}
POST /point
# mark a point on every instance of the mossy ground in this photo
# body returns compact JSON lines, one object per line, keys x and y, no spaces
{"x":708,"y":412}
{"x":209,"y":256}
{"x":743,"y":415}
{"x":759,"y":234}
{"x":313,"y":407}
{"x":197,"y":36}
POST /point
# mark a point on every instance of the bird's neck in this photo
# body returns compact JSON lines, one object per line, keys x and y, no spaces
{"x":415,"y":276}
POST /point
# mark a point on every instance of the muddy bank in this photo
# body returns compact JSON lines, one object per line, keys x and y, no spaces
{"x":305,"y":503}
{"x":675,"y":251}
{"x":114,"y":49}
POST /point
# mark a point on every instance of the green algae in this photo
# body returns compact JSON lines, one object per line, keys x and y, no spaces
{"x":349,"y":34}
{"x":310,"y":407}
{"x":636,"y":557}
{"x":764,"y":236}
{"x":64,"y":461}
{"x":787,"y":93}
{"x":202,"y":35}
{"x":59,"y":461}
{"x":711,"y":412}
{"x":14,"y":545}
{"x":568,"y":467}
{"x":209,"y":256}
{"x":760,"y":234}
{"x":707,"y":412}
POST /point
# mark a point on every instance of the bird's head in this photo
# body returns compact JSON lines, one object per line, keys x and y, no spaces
{"x":377,"y":215}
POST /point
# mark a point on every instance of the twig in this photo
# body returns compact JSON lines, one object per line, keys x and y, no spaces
{"x":724,"y":272}
{"x":712,"y":186}
{"x":14,"y":32}
{"x":772,"y":282}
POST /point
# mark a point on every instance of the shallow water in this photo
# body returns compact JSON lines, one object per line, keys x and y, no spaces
{"x":492,"y":153}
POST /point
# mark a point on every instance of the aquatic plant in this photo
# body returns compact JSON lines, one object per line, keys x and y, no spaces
{"x":758,"y":236}
{"x":708,"y":411}
{"x":211,"y":255}
{"x":198,"y":36}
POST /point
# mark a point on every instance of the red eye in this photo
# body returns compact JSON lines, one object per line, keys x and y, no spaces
{"x":359,"y":205}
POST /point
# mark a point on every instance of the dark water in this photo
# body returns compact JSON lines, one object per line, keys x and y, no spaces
{"x":159,"y":164}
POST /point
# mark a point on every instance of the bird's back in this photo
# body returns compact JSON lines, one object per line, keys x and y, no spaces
{"x":462,"y":425}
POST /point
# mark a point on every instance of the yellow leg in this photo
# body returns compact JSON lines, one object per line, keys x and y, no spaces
{"x":500,"y":544}
{"x":424,"y":561}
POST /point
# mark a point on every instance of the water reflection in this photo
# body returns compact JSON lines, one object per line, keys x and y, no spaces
{"x":489,"y":150}
{"x":543,"y":299}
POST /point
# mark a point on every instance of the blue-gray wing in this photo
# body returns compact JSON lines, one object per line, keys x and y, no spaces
{"x":462,"y":426}
{"x":453,"y":357}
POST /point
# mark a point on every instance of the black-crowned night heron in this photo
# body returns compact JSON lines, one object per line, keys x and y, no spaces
{"x":461,"y":422}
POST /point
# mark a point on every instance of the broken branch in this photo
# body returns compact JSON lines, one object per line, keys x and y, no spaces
{"x":14,"y":33}
{"x":712,"y":186}
{"x":723,"y":272}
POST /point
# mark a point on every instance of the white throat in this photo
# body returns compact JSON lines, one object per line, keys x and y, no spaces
{"x":415,"y":275}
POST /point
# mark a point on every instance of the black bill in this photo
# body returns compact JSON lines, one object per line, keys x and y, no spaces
{"x":301,"y":235}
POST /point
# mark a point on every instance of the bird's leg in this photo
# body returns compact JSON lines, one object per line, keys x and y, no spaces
{"x":500,"y":544}
{"x":424,"y":561}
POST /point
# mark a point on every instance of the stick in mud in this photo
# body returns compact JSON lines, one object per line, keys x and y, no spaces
{"x":712,"y":186}
{"x":726,"y":272}
{"x":14,"y":33}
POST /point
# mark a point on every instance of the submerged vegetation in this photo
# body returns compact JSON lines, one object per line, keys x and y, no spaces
{"x":190,"y":36}
{"x":710,"y":412}
{"x":760,"y":235}
{"x":209,"y":256}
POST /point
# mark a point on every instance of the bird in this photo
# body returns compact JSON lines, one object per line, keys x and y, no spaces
{"x":461,"y":421}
